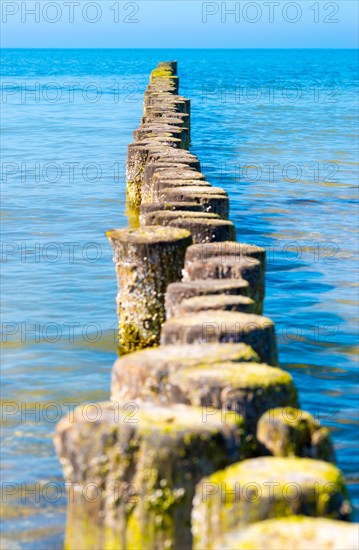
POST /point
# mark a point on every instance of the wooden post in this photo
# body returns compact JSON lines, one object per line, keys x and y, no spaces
{"x":227,"y":267}
{"x":132,"y":470}
{"x":147,"y":260}
{"x":262,"y":488}
{"x":147,"y":208}
{"x":224,"y":326}
{"x":292,"y":432}
{"x":239,"y":251}
{"x":211,"y":200}
{"x":177,"y":292}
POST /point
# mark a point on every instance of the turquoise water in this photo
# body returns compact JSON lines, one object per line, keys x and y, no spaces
{"x":276,"y":128}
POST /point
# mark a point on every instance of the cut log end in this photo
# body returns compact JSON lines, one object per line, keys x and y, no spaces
{"x":280,"y":534}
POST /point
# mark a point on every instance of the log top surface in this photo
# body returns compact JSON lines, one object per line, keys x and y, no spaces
{"x":208,"y":284}
{"x":149,"y":416}
{"x":225,"y":248}
{"x":223,"y":319}
{"x":150,"y":234}
{"x":296,"y":532}
{"x":240,"y":375}
{"x":304,"y":471}
{"x":189,"y":354}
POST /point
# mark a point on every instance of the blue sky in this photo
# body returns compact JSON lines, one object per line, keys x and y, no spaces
{"x":179,"y":24}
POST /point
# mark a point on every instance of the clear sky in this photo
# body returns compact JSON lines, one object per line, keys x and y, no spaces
{"x":179,"y":24}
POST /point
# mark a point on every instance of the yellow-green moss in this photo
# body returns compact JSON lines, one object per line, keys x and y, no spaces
{"x":245,"y":375}
{"x":280,"y":534}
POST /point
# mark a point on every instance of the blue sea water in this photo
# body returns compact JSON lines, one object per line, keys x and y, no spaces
{"x":276,"y":128}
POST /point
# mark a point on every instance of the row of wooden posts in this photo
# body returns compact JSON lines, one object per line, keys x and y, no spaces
{"x":203,"y":444}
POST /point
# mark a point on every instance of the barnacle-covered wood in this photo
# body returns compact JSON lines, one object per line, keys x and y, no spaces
{"x":289,"y":431}
{"x":147,"y":260}
{"x":262,"y":488}
{"x":154,"y":115}
{"x":133,"y":470}
{"x":224,"y":326}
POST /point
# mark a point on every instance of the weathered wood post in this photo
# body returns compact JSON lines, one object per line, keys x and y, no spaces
{"x":147,"y":260}
{"x":292,"y":432}
{"x":263,"y":488}
{"x":211,"y":200}
{"x":137,"y":155}
{"x":177,"y":292}
{"x":240,"y":251}
{"x":131,"y":471}
{"x":228,"y":267}
{"x":229,"y":259}
{"x":224,"y":326}
{"x":147,"y":208}
{"x":204,"y":229}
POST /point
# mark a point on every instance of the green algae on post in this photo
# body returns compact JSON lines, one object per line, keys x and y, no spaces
{"x":169,"y":65}
{"x":280,"y":534}
{"x":147,"y":260}
{"x":178,"y":419}
{"x":137,"y":155}
{"x":292,"y":432}
{"x":246,"y":388}
{"x":144,"y":374}
{"x":262,"y":488}
{"x":139,"y":465}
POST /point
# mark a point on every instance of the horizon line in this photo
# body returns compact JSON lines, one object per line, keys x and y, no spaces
{"x":171,"y":48}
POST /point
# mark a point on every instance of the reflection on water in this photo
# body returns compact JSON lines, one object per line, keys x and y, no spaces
{"x":289,"y":165}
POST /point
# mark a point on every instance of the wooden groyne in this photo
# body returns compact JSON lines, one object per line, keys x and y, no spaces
{"x":203,"y":443}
